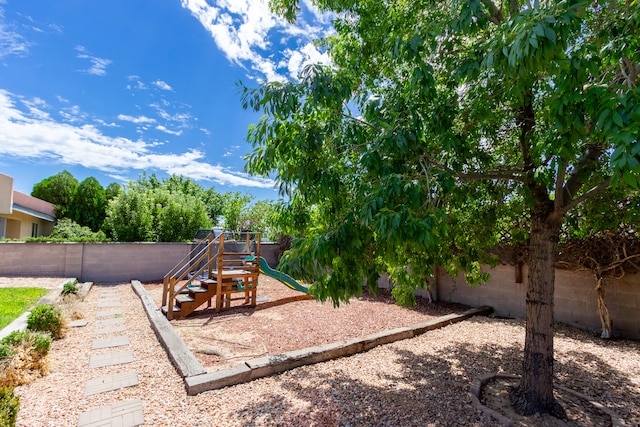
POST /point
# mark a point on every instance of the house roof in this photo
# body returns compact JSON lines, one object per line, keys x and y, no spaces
{"x":33,"y":206}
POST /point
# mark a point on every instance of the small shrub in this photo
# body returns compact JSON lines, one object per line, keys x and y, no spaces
{"x":40,"y":341}
{"x":71,"y":307}
{"x":5,"y":351}
{"x":24,"y":366}
{"x":9,"y":406}
{"x":13,"y":339}
{"x":69,"y":288}
{"x":47,"y":318}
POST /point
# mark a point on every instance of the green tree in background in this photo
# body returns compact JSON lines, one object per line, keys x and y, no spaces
{"x":85,"y":203}
{"x":130,"y":215}
{"x":157,"y":210}
{"x":69,"y":231}
{"x":234,"y":205}
{"x":178,"y":215}
{"x":260,"y":217}
{"x":59,"y":189}
{"x":439,"y":124}
{"x":112,"y":190}
{"x":214,"y":204}
{"x":89,"y":208}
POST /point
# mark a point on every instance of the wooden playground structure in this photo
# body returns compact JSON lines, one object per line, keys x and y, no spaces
{"x":206,"y":275}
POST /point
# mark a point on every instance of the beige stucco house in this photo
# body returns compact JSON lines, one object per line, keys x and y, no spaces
{"x":22,"y":215}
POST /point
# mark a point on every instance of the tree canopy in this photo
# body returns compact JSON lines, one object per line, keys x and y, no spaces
{"x":59,"y":189}
{"x":84,"y":203}
{"x":90,"y":204}
{"x":153,"y":210}
{"x":440,"y":128}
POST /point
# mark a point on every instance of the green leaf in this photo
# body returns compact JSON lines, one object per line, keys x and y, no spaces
{"x":551,"y":35}
{"x":617,"y":119}
{"x":630,"y":179}
{"x":602,"y":117}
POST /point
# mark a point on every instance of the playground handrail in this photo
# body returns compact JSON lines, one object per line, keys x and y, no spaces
{"x":180,"y":270}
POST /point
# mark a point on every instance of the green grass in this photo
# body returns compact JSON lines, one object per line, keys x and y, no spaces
{"x":15,"y":301}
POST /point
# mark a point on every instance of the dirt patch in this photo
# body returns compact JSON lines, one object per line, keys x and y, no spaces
{"x":579,"y":411}
{"x":287,"y":320}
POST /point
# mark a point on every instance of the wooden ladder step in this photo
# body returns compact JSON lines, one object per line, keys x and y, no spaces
{"x":198,"y":290}
{"x":184,"y":291}
{"x":176,"y":309}
{"x":182,"y":298}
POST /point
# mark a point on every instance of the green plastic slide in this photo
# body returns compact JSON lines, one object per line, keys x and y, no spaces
{"x":282,"y":277}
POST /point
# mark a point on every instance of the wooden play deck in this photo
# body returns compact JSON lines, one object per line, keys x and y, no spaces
{"x":204,"y":276}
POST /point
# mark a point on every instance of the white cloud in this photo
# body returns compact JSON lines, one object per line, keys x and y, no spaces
{"x":38,"y":137}
{"x":180,"y":119}
{"x":105,"y":124}
{"x":170,"y":132}
{"x":307,"y":54}
{"x":137,"y":120}
{"x":162,"y":85}
{"x":36,"y":107}
{"x":137,"y":83}
{"x":98,"y":65}
{"x":249,"y":34}
{"x":73,"y":114}
{"x":11,"y":43}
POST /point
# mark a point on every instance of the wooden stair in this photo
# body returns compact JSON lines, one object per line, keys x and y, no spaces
{"x":227,"y":274}
{"x":192,"y":297}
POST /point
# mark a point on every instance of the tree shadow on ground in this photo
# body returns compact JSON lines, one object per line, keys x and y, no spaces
{"x":408,"y":388}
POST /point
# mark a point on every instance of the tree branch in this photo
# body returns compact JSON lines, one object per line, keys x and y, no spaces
{"x":575,"y":182}
{"x":504,"y":175}
{"x":620,"y":262}
{"x":496,"y":14}
{"x":355,"y":119}
{"x":592,"y":192}
{"x":513,"y":174}
{"x":558,"y":199}
{"x":525,"y":120}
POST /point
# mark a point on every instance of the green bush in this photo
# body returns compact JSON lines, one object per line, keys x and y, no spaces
{"x":5,"y":351}
{"x":41,"y":342}
{"x":13,"y":339}
{"x":69,"y":288}
{"x":46,"y":318}
{"x":9,"y":406}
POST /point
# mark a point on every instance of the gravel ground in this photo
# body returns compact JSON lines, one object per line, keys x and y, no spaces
{"x":289,"y":320}
{"x":423,"y":381}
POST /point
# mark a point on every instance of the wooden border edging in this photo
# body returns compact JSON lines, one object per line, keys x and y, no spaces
{"x":183,"y":360}
{"x":271,"y":365}
{"x":197,"y":380}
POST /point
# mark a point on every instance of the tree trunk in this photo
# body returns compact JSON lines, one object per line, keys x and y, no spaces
{"x":534,"y":394}
{"x":603,"y":311}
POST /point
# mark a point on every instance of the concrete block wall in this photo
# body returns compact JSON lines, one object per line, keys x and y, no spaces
{"x":99,"y":262}
{"x":575,"y":300}
{"x":38,"y":259}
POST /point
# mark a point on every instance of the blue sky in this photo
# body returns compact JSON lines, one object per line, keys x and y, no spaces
{"x":113,"y":88}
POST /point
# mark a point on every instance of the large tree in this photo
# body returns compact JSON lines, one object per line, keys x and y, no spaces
{"x":438,"y":127}
{"x":90,"y":204}
{"x":59,"y":189}
{"x":234,"y":203}
{"x":157,"y":210}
